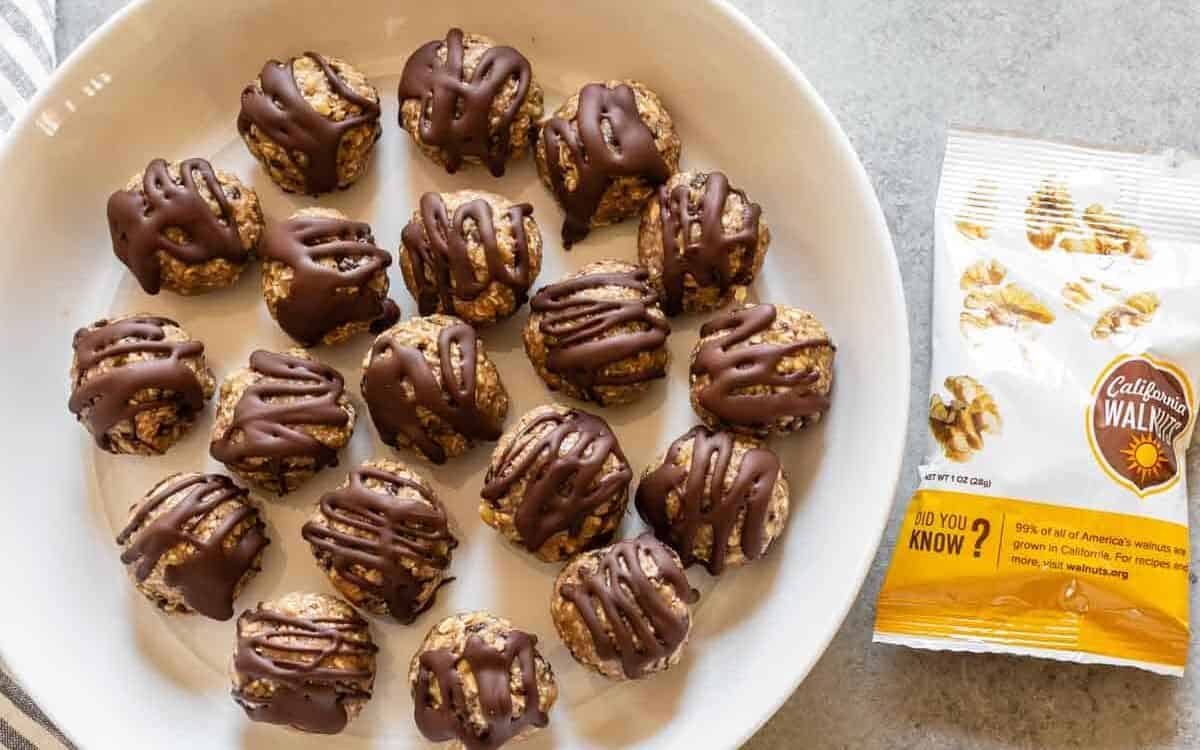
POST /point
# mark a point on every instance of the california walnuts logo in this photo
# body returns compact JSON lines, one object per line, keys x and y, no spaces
{"x":1140,"y":408}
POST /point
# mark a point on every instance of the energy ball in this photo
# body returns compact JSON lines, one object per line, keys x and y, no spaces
{"x":323,"y":278}
{"x":384,"y":540}
{"x":281,"y":420}
{"x":137,"y":383}
{"x":192,"y":543}
{"x":431,"y":388}
{"x":702,"y":240}
{"x":599,"y":334}
{"x":480,"y":682}
{"x":311,"y":122}
{"x":718,"y":498}
{"x":762,"y":370}
{"x":623,"y":610}
{"x":304,"y":660}
{"x":604,"y":152}
{"x":184,"y":226}
{"x":471,"y":254}
{"x":469,"y":100}
{"x":558,"y":483}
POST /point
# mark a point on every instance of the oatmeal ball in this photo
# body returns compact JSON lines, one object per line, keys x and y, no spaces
{"x":599,"y":334}
{"x":469,"y":100}
{"x":304,"y":660}
{"x":471,"y":254}
{"x":281,"y":420}
{"x":624,"y":610}
{"x":604,"y":152}
{"x":384,"y":540}
{"x":323,"y":278}
{"x":702,"y":241}
{"x":558,"y":483}
{"x":718,"y":498}
{"x":762,"y":370}
{"x":431,"y":388}
{"x":184,"y":226}
{"x":138,"y":382}
{"x":479,"y":682}
{"x":311,"y":122}
{"x":192,"y":543}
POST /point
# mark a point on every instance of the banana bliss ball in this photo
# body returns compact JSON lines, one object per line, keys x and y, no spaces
{"x":469,"y":100}
{"x":311,"y":122}
{"x":702,"y":240}
{"x":306,"y":661}
{"x":604,"y":152}
{"x":281,"y":420}
{"x":624,"y":610}
{"x":471,"y":254}
{"x":762,"y":370}
{"x":384,"y":540}
{"x":718,"y":498}
{"x":184,"y":226}
{"x":599,"y":334}
{"x":479,"y":682}
{"x":323,"y":278}
{"x":558,"y":483}
{"x":137,"y":383}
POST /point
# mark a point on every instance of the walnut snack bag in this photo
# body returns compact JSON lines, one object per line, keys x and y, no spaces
{"x":1051,"y":516}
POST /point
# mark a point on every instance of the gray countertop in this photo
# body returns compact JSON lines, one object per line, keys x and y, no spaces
{"x":895,"y":72}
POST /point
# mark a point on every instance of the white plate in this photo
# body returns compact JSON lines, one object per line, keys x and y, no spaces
{"x":163,"y":79}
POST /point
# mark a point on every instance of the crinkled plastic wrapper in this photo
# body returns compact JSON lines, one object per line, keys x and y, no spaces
{"x":1051,"y":516}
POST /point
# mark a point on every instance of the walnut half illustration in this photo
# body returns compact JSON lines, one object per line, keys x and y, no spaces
{"x":960,"y":423}
{"x":1134,"y":311}
{"x":977,"y":215}
{"x":1051,"y":211}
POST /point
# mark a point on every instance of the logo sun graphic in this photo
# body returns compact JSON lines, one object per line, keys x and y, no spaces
{"x":1145,"y":457}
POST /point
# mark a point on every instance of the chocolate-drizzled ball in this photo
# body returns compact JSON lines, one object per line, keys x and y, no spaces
{"x":480,"y":682}
{"x":702,"y":241}
{"x":281,"y":420}
{"x":304,"y":660}
{"x":138,"y":382}
{"x":192,"y":543}
{"x":624,"y":610}
{"x":718,"y":498}
{"x":762,"y":369}
{"x":471,"y":254}
{"x":384,"y":540}
{"x":604,"y":152}
{"x":323,"y":278}
{"x":184,"y":226}
{"x":311,"y":121}
{"x":469,"y":100}
{"x":558,"y":483}
{"x":432,"y":389}
{"x":599,"y":334}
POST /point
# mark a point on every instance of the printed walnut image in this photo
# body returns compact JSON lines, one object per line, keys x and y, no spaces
{"x":960,"y":424}
{"x":1050,"y":220}
{"x":1051,"y":211}
{"x":1134,"y":311}
{"x":977,"y":215}
{"x":988,"y":303}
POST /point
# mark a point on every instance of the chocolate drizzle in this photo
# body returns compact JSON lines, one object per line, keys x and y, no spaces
{"x":704,"y":504}
{"x":707,"y":254}
{"x":644,"y":627}
{"x":394,"y":407}
{"x":584,"y":333}
{"x":106,"y":399}
{"x":732,"y":367}
{"x":209,"y":574}
{"x":440,"y":251}
{"x":456,"y":113}
{"x":492,"y":670}
{"x":398,"y":530}
{"x":284,"y":116}
{"x":295,"y":654}
{"x":628,"y":151}
{"x":293,"y":391}
{"x":563,"y":485}
{"x":138,"y":222}
{"x":317,"y":302}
